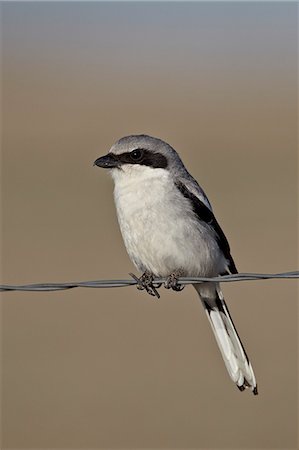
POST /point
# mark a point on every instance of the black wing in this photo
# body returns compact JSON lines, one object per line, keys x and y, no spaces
{"x":204,"y":214}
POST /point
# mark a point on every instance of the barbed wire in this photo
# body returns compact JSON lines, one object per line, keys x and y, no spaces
{"x":46,"y":287}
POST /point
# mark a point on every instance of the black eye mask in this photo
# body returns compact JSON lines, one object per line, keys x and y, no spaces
{"x":142,"y":157}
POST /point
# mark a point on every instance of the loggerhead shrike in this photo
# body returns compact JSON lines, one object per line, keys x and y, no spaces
{"x":169,"y":231}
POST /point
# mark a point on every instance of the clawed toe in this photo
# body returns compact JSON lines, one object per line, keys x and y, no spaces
{"x":172,"y":283}
{"x":145,"y":282}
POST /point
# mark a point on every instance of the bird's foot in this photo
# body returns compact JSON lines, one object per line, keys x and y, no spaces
{"x":145,"y":282}
{"x":172,"y":281}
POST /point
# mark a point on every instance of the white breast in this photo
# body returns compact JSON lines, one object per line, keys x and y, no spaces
{"x":160,"y":230}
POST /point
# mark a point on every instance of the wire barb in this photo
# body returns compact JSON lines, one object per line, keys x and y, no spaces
{"x":47,"y":287}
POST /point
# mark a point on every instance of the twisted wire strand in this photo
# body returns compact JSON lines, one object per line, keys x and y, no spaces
{"x":46,"y":287}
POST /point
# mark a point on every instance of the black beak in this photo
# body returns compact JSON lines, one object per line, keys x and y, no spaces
{"x":107,"y":162}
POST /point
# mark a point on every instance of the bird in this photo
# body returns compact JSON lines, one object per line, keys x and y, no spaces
{"x":170,"y":231}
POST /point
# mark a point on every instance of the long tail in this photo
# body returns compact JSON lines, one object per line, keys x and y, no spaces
{"x":230,"y":345}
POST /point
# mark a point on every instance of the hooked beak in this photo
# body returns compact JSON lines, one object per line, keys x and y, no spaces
{"x":107,"y":162}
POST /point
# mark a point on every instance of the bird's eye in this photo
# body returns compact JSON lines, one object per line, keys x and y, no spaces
{"x":136,"y":155}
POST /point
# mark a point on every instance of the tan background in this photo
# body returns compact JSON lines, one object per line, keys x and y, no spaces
{"x":115,"y":368}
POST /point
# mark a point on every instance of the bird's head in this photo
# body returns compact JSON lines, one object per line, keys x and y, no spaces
{"x":138,"y":155}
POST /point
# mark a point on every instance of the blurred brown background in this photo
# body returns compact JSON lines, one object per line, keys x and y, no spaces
{"x":115,"y":368}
